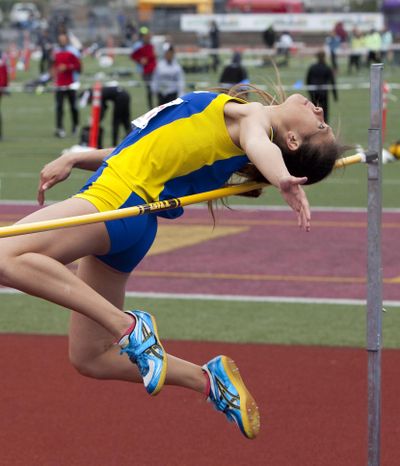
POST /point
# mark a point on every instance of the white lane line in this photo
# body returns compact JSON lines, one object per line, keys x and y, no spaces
{"x":239,"y":298}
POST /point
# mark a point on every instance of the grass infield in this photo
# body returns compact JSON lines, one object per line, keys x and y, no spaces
{"x":227,"y":321}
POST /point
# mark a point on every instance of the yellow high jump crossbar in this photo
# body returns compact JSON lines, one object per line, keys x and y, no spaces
{"x":152,"y":207}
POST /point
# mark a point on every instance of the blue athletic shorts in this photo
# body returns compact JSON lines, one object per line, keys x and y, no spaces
{"x":130,"y":238}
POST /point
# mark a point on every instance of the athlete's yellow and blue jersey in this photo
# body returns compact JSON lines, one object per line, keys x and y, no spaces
{"x":181,"y":148}
{"x":178,"y":149}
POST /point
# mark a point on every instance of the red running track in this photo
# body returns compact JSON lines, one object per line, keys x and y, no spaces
{"x":312,"y":401}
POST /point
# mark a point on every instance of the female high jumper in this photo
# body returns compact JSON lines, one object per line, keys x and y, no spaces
{"x":190,"y":145}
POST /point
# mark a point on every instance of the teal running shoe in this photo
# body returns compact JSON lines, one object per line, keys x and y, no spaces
{"x":144,"y":349}
{"x":229,"y":395}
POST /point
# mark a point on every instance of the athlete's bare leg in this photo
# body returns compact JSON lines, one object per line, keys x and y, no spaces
{"x":35,"y":264}
{"x":92,"y":348}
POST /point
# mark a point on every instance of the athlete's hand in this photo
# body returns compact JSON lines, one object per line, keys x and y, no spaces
{"x":294,"y":195}
{"x":52,"y":173}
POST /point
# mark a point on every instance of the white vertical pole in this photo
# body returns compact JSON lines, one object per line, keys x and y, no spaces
{"x":374,"y":287}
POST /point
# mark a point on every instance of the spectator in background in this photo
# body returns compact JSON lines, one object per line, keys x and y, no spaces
{"x":214,"y":44}
{"x":357,"y":47}
{"x":386,"y":44}
{"x":144,"y":55}
{"x":120,"y":99}
{"x":340,"y":32}
{"x":65,"y":68}
{"x":333,"y":42}
{"x":284,"y":46}
{"x":321,"y":76}
{"x":168,"y":78}
{"x":3,"y":85}
{"x":234,"y":73}
{"x":46,"y":47}
{"x":92,"y":24}
{"x":129,"y":34}
{"x":122,"y":21}
{"x":59,"y":23}
{"x":269,"y":37}
{"x":373,"y":43}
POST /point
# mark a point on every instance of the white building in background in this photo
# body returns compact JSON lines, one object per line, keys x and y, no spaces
{"x":326,"y":6}
{"x":311,"y":23}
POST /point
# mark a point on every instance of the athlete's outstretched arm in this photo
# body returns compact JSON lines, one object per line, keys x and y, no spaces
{"x":267,"y":157}
{"x":59,"y":169}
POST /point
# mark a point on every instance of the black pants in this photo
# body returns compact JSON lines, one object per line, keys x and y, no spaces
{"x":45,"y":62}
{"x":354,"y":61}
{"x":147,"y":82}
{"x":163,"y":99}
{"x":334,"y":60}
{"x":121,"y":117}
{"x":69,"y":94}
{"x":373,"y":57}
{"x":214,"y":61}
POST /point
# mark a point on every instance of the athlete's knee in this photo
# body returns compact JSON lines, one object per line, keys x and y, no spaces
{"x":86,"y":363}
{"x":83,"y":364}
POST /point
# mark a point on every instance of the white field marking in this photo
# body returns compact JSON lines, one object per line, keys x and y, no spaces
{"x":235,"y":207}
{"x":238,"y":298}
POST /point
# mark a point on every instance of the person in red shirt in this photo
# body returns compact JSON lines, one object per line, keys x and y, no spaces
{"x":65,"y":68}
{"x":144,"y":55}
{"x":3,"y":84}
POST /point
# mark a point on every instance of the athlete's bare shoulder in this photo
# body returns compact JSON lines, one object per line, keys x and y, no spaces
{"x":237,"y":110}
{"x":239,"y":116}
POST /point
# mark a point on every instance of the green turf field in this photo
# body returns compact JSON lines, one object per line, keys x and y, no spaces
{"x":28,"y":144}
{"x":278,"y":323}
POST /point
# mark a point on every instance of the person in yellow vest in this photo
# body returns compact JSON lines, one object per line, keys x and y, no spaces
{"x":373,"y":44}
{"x":357,"y":50}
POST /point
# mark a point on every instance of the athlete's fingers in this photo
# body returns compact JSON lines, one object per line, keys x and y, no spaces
{"x":305,"y":217}
{"x":41,"y":193}
{"x":306,"y":220}
{"x":40,"y":196}
{"x":306,"y":211}
{"x":44,"y":185}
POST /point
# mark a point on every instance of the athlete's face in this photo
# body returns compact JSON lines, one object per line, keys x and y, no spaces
{"x":306,"y":119}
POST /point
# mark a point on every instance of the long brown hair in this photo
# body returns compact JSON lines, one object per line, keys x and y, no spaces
{"x":315,"y":161}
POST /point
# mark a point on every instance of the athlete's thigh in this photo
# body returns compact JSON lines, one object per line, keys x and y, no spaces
{"x":64,"y":244}
{"x":86,"y":337}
